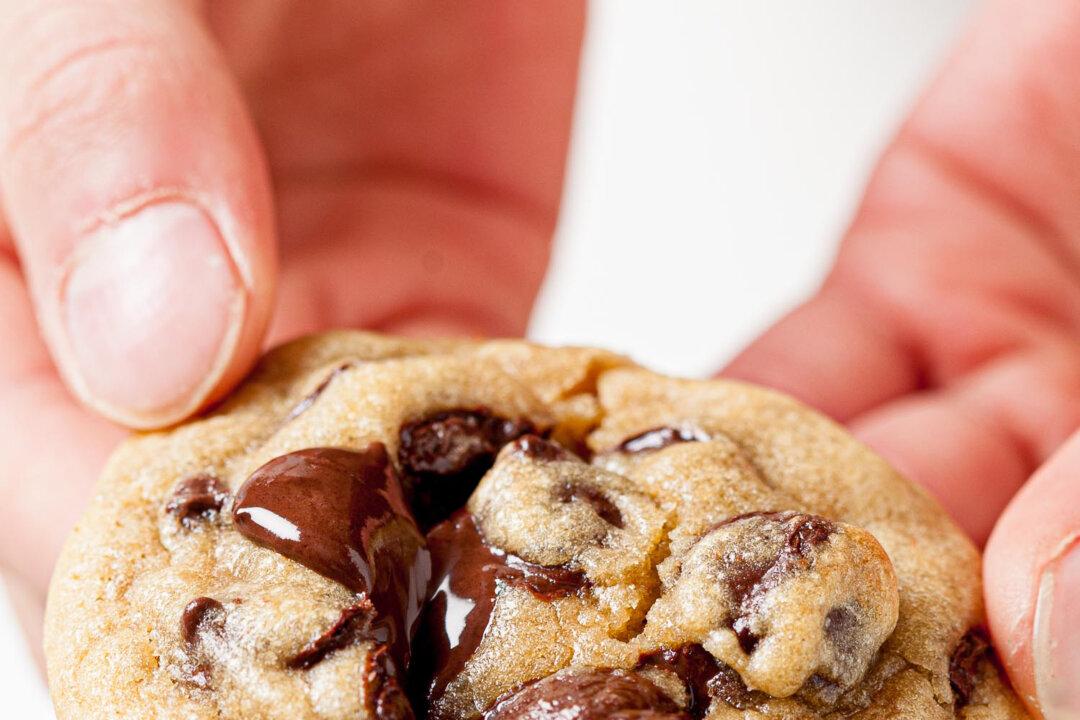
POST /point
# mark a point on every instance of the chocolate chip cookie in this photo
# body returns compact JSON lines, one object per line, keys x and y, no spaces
{"x":381,"y":528}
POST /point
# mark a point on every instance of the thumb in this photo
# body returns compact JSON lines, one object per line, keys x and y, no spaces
{"x":135,"y":188}
{"x":1033,"y":585}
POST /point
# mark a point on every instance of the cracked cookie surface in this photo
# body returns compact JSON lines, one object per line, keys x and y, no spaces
{"x":381,"y":528}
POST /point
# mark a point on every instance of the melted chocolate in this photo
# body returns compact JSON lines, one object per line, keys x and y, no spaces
{"x":607,"y":510}
{"x":308,"y":400}
{"x":660,"y":438}
{"x":444,"y":456}
{"x":693,"y":665}
{"x":202,"y":615}
{"x":350,"y":626}
{"x":964,"y":664}
{"x":589,"y":695}
{"x":387,"y":700}
{"x":342,"y":514}
{"x":196,"y":498}
{"x":465,"y":579}
{"x":705,"y":678}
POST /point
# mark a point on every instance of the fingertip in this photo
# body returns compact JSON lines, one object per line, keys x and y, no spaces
{"x":152,"y":266}
{"x":1032,"y":577}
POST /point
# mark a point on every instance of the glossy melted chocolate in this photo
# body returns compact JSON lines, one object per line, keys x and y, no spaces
{"x":660,"y":438}
{"x":342,"y":514}
{"x":465,"y":577}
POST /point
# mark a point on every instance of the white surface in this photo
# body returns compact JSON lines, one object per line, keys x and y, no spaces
{"x":720,"y":148}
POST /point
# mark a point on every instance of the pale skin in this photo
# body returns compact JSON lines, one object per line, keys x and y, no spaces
{"x":398,"y":166}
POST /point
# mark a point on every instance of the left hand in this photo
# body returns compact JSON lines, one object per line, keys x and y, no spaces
{"x":947,"y":335}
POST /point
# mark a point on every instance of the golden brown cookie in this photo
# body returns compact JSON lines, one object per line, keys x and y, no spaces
{"x":381,"y":528}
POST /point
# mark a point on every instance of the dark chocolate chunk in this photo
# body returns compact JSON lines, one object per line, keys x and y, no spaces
{"x":729,"y":687}
{"x":444,"y":456}
{"x":198,"y":497}
{"x":350,"y":627}
{"x":607,"y":510}
{"x":465,"y":579}
{"x":588,"y":695}
{"x":308,"y":400}
{"x":660,"y":438}
{"x":342,"y":513}
{"x":202,"y":615}
{"x":973,"y":648}
{"x":747,"y":581}
{"x":694,"y":666}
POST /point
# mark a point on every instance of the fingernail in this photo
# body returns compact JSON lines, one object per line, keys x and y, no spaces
{"x":151,"y":307}
{"x":1057,"y":637}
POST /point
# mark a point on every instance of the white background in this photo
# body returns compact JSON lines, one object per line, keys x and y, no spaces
{"x":720,"y":147}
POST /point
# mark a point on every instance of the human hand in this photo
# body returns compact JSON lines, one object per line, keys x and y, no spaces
{"x":947,"y":335}
{"x":408,"y":156}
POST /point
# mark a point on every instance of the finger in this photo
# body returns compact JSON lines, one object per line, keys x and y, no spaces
{"x":418,"y":155}
{"x":135,"y":189}
{"x":957,"y":288}
{"x":838,"y":353}
{"x":975,"y":442}
{"x":1032,"y":576}
{"x":29,"y":610}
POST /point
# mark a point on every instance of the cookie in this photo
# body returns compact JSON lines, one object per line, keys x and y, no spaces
{"x":381,"y":528}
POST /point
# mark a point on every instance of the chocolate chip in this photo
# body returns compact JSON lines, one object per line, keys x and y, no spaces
{"x":729,"y":687}
{"x":588,"y":695}
{"x":601,"y":504}
{"x":196,"y":674}
{"x":443,"y":457}
{"x":964,"y":664}
{"x":841,"y":626}
{"x":748,"y":639}
{"x":743,"y":577}
{"x":660,"y":438}
{"x":308,"y":400}
{"x":809,"y":532}
{"x":196,"y":498}
{"x":202,"y":615}
{"x":342,"y":513}
{"x":350,"y":627}
{"x":535,"y":447}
